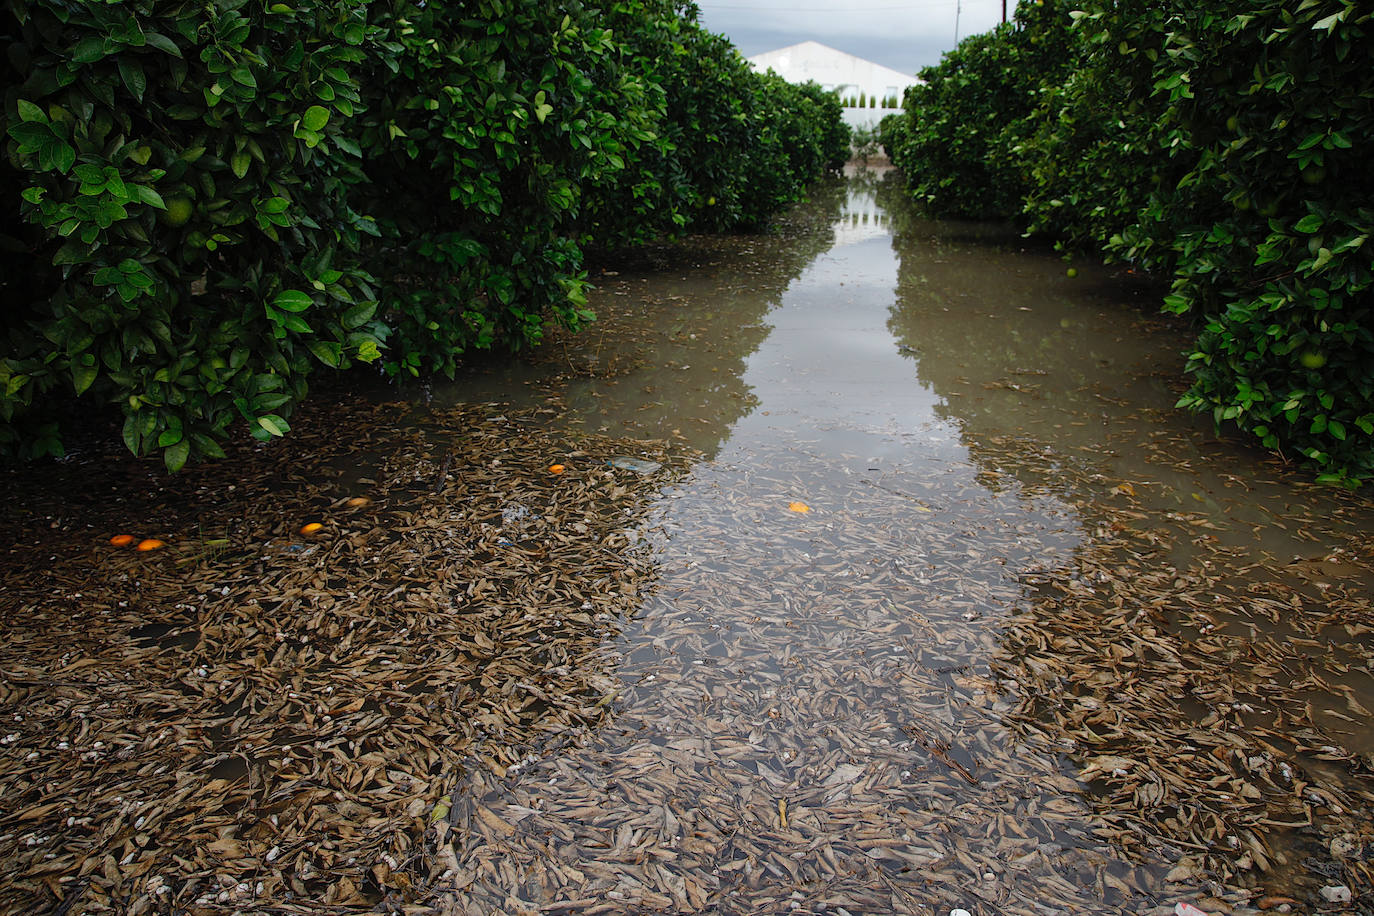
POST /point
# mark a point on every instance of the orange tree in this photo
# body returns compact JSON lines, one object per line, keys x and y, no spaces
{"x":208,"y":203}
{"x":1218,"y":145}
{"x":1213,"y":144}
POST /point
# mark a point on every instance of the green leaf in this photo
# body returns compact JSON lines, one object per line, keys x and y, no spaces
{"x":131,"y":71}
{"x":1309,"y":223}
{"x":57,"y":154}
{"x":315,"y":118}
{"x":89,"y":50}
{"x":28,"y":111}
{"x":149,"y":196}
{"x":358,"y":315}
{"x":162,"y":43}
{"x":239,"y":162}
{"x":293,"y":300}
{"x":368,"y":352}
{"x":296,"y":323}
{"x":274,"y":424}
{"x":1330,"y":21}
{"x":175,"y":456}
{"x":206,"y":446}
{"x":133,"y":437}
{"x":83,"y":376}
{"x":327,"y":352}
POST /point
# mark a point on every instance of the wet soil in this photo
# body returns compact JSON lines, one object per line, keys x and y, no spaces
{"x":877,"y":575}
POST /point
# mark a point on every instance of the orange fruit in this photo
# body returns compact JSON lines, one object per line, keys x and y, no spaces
{"x":798,"y":507}
{"x":556,"y":469}
{"x":150,"y":544}
{"x":122,"y":540}
{"x":178,"y":212}
{"x":311,"y":528}
{"x":357,"y":502}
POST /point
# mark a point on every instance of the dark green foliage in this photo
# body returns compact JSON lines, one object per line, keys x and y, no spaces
{"x":893,"y":133}
{"x":1264,"y":215}
{"x":208,"y":202}
{"x":184,"y":206}
{"x":733,"y":147}
{"x":1217,"y":144}
{"x":969,"y":111}
{"x":483,"y":123}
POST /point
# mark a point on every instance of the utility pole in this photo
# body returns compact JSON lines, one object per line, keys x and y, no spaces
{"x":958,"y":6}
{"x":1004,"y":12}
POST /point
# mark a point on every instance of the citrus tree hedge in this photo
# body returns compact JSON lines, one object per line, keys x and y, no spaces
{"x":206,"y":203}
{"x":732,"y":146}
{"x":968,"y":111}
{"x":1218,"y":146}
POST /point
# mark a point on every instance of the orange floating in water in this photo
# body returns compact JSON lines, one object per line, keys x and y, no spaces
{"x":799,"y":507}
{"x":150,"y":544}
{"x":122,"y":540}
{"x":311,"y":528}
{"x":556,"y":469}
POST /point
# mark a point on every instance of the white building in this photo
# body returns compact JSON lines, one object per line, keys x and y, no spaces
{"x":854,"y":77}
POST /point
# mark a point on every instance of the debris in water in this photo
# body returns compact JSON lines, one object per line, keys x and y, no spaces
{"x":1336,"y":893}
{"x":638,"y":465}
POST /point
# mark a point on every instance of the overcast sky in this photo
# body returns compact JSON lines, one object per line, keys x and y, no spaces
{"x":904,"y":36}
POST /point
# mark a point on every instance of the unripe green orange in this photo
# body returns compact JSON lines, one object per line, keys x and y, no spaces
{"x":178,"y":211}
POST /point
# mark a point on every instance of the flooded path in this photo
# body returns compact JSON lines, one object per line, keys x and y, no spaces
{"x":956,"y":612}
{"x":862,"y":567}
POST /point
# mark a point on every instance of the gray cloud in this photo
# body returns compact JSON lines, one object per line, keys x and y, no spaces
{"x":903,"y":36}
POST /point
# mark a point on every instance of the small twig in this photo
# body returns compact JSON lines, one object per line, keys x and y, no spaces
{"x":443,"y":474}
{"x":940,"y":751}
{"x":77,"y":893}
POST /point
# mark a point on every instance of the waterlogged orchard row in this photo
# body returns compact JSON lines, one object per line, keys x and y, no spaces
{"x":214,"y":202}
{"x":1211,"y":144}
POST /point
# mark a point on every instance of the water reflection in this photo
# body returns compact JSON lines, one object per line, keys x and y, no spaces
{"x":1065,"y":386}
{"x":666,"y":357}
{"x":904,"y":425}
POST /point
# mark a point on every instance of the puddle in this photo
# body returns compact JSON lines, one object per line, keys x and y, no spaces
{"x":834,"y":709}
{"x":878,"y":576}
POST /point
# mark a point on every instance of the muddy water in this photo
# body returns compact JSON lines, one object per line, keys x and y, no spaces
{"x":868,"y":677}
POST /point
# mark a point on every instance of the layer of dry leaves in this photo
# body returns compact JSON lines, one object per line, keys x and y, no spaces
{"x":252,"y":717}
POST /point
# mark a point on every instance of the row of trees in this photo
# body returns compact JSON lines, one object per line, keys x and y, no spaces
{"x":1213,"y":144}
{"x":208,"y":202}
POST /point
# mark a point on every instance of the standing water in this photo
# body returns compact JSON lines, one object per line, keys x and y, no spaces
{"x":954,"y":611}
{"x":861,"y":567}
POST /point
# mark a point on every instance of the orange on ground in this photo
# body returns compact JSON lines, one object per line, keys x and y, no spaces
{"x":357,"y":501}
{"x":311,"y":528}
{"x":150,"y":544}
{"x":799,"y":507}
{"x":556,"y":469}
{"x":122,"y":540}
